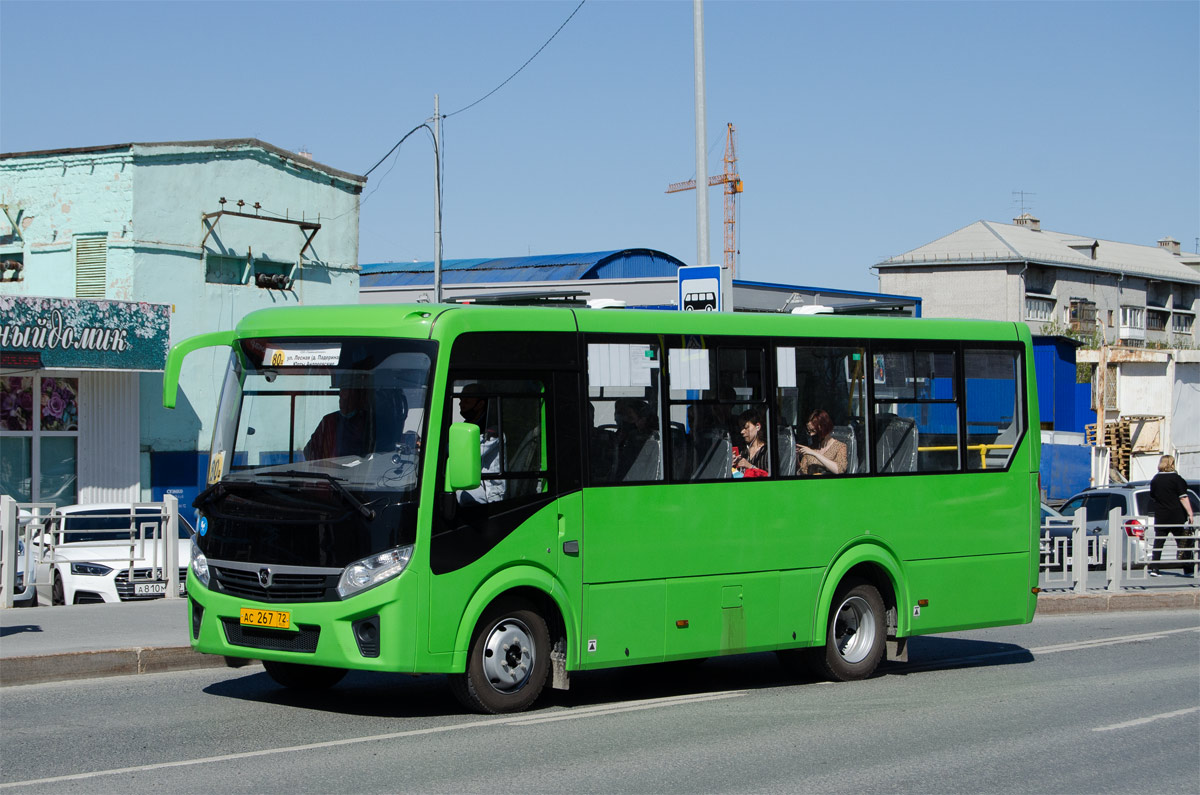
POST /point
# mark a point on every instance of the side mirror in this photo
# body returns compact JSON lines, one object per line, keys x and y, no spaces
{"x":463,"y":466}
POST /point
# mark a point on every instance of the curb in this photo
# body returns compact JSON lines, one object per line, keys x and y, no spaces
{"x":1057,"y":604}
{"x":38,"y":669}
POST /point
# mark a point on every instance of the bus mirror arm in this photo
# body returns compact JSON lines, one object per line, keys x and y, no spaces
{"x":179,"y":351}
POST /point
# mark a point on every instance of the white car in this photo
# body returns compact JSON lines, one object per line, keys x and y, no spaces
{"x":88,"y":554}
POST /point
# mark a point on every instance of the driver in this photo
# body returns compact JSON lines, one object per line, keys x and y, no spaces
{"x":346,"y":431}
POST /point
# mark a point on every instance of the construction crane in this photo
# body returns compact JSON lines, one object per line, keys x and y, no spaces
{"x":733,"y":186}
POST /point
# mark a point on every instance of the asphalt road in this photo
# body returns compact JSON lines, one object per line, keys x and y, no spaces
{"x":1075,"y":703}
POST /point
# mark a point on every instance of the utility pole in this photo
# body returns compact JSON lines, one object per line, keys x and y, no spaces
{"x":437,"y":198}
{"x":702,"y":256}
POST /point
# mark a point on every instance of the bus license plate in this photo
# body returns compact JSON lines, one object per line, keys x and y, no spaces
{"x":275,"y":619}
{"x":149,"y":588}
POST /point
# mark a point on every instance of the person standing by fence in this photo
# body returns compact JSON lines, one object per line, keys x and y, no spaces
{"x":1172,"y":509}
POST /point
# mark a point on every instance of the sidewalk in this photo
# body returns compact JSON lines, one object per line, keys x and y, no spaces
{"x":47,"y":644}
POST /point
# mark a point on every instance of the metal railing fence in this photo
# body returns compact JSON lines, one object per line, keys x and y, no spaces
{"x":30,"y":534}
{"x":1123,"y":548}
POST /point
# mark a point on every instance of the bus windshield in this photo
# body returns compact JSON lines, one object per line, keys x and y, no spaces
{"x":346,"y":411}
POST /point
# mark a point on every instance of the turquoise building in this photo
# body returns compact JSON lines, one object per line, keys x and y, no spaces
{"x":110,"y":254}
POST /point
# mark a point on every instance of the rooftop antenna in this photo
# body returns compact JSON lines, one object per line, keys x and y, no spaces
{"x":1020,"y":200}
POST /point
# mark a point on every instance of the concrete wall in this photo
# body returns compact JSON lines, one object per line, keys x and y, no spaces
{"x":1162,"y":383}
{"x":997,"y":292}
{"x":986,"y":292}
{"x":148,"y":200}
{"x":56,"y":197}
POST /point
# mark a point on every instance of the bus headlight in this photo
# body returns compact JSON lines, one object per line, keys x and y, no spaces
{"x":199,"y":564}
{"x":369,"y":572}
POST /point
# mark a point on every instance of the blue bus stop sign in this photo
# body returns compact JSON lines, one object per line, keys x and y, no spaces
{"x":700,"y":288}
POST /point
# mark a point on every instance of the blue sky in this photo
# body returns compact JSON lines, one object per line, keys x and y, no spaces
{"x":864,"y":129}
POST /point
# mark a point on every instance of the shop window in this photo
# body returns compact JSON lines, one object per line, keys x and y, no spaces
{"x":39,"y":446}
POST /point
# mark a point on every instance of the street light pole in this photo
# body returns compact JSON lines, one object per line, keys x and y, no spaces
{"x":437,"y":198}
{"x":701,"y":137}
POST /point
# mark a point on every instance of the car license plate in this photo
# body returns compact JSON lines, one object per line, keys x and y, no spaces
{"x":275,"y":619}
{"x":149,"y":588}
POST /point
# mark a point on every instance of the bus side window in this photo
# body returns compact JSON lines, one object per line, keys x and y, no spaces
{"x":916,"y":410}
{"x":511,"y":415}
{"x":811,"y":379}
{"x":625,"y":434}
{"x":995,"y":423}
{"x":712,"y":381}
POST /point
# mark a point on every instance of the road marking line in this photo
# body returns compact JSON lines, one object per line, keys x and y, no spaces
{"x":1073,"y":646}
{"x":1140,"y":721}
{"x":584,"y":712}
{"x":572,"y":715}
{"x":1091,"y":644}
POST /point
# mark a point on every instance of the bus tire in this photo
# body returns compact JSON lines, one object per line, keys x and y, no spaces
{"x":508,"y":662}
{"x":856,"y":633}
{"x":297,"y":676}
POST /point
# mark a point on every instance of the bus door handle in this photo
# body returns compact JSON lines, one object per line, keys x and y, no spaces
{"x":570,"y":547}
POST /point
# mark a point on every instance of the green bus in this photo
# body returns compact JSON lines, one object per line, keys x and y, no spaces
{"x":510,"y":494}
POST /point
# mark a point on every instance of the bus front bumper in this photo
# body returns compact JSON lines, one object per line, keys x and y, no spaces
{"x":374,"y":630}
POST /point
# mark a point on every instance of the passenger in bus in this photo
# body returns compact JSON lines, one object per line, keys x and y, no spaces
{"x":347,"y":431}
{"x":473,"y":408}
{"x":754,"y":454}
{"x":637,"y":423}
{"x":826,"y":455}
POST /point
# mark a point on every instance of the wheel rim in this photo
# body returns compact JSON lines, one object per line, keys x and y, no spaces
{"x":508,"y":655}
{"x":854,"y":629}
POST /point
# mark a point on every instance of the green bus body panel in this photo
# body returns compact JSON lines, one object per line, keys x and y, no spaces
{"x":671,"y":571}
{"x":395,"y":603}
{"x":507,"y":580}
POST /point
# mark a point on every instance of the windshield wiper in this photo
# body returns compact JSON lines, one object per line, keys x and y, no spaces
{"x":364,"y":510}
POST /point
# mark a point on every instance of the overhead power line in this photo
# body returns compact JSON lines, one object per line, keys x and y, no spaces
{"x":514,"y":74}
{"x":393,"y":149}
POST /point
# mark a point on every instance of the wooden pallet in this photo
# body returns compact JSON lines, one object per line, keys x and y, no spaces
{"x":1116,"y":437}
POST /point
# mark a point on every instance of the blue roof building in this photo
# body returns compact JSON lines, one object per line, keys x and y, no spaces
{"x":639,"y":277}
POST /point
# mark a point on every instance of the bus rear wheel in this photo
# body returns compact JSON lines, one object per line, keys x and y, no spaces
{"x":297,"y":676}
{"x":856,"y":632}
{"x":508,"y":662}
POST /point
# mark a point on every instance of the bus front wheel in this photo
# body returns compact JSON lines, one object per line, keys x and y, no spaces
{"x":297,"y":676}
{"x":508,"y":662}
{"x":856,"y":632}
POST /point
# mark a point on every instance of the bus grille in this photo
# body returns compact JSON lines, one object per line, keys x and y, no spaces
{"x":272,"y":639}
{"x":125,"y":587}
{"x":284,"y":587}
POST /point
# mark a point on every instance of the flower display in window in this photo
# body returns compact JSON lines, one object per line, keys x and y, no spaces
{"x":16,"y":403}
{"x":60,"y":404}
